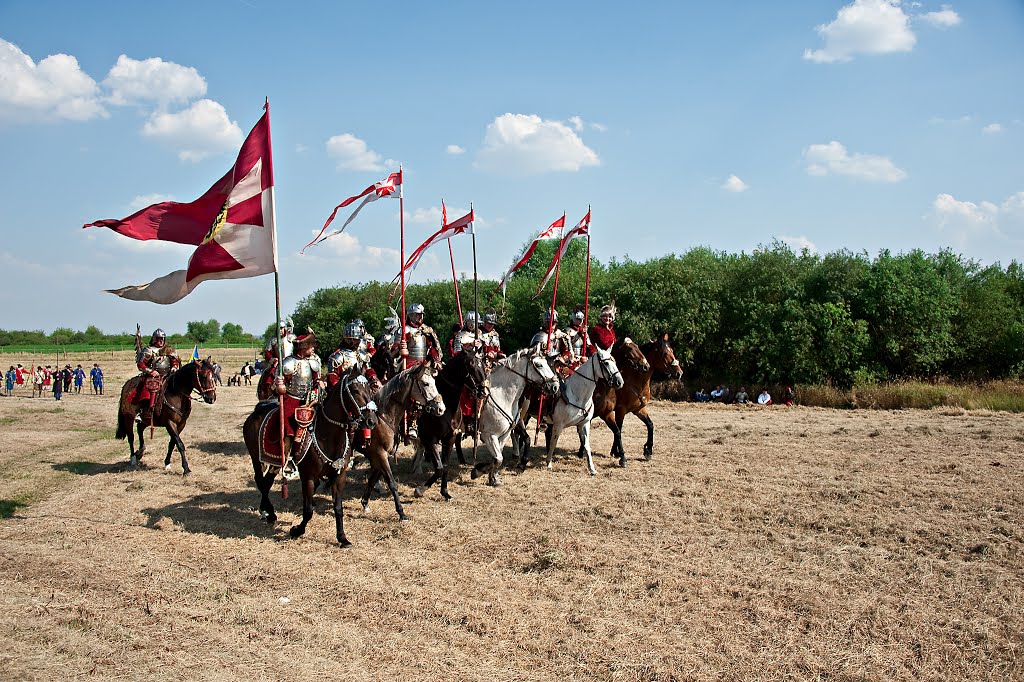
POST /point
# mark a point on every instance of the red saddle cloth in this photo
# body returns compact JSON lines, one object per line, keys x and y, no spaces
{"x":297,"y":418}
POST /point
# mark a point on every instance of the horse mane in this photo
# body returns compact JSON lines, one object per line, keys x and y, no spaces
{"x":511,"y":360}
{"x":394,"y":385}
{"x":174,"y":378}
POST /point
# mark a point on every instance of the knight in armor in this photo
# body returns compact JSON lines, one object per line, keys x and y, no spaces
{"x":576,"y":334}
{"x":420,"y":343}
{"x":557,"y":351}
{"x":155,"y":364}
{"x":388,"y":342}
{"x":470,"y":336}
{"x":351,"y":353}
{"x":298,"y":383}
{"x":454,"y":343}
{"x":491,"y":338}
{"x":270,"y":356}
{"x":602,"y":334}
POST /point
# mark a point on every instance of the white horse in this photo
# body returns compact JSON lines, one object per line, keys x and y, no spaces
{"x":574,"y":406}
{"x":500,"y":411}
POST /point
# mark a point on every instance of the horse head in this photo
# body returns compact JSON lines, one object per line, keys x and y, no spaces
{"x":355,"y":400}
{"x":203,"y":380}
{"x":472,"y":372}
{"x":631,"y":354}
{"x":663,"y":358}
{"x":608,"y":369}
{"x":424,"y":390}
{"x":545,"y":375}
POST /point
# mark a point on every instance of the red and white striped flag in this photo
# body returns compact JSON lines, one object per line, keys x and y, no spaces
{"x":388,"y":187}
{"x":232,"y":225}
{"x":463,"y":225}
{"x":581,"y":230}
{"x":552,"y":232}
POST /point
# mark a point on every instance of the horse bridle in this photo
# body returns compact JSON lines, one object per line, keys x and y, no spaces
{"x":358,"y":417}
{"x":198,"y":388}
{"x":608,"y":374}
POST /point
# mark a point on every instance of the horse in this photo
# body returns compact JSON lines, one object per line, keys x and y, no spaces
{"x":383,"y":363}
{"x":500,"y":411}
{"x":411,"y":387}
{"x":438,"y":433}
{"x":347,"y":406}
{"x":171,"y":412}
{"x":574,"y":405}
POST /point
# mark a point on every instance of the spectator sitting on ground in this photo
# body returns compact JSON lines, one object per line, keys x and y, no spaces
{"x":701,"y":396}
{"x":741,"y":396}
{"x":716,"y":393}
{"x":787,"y":396}
{"x":765,"y":398}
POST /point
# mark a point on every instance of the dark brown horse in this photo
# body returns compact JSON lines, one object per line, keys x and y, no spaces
{"x":347,"y":408}
{"x":439,"y":433}
{"x":174,"y":405}
{"x":411,"y":389}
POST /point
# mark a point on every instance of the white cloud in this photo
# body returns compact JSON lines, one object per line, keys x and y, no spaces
{"x":798,"y":244}
{"x":599,"y":127}
{"x":455,"y":149}
{"x":197,"y":132}
{"x":869,"y":27}
{"x":352,"y":154}
{"x":144,"y":200}
{"x":431,"y":216}
{"x":734,"y":184}
{"x":833,"y":159}
{"x":946,"y":18}
{"x":131,"y":80}
{"x":56,"y":88}
{"x":523,"y":144}
{"x":347,"y":246}
{"x":577,"y":123}
{"x":992,"y":128}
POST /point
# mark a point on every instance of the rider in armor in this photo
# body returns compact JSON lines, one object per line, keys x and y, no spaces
{"x":420,"y":343}
{"x":602,"y":334}
{"x":455,"y":343}
{"x":557,"y":352}
{"x":270,"y":356}
{"x":365,"y":339}
{"x":471,"y":333}
{"x":491,"y":338}
{"x":351,"y":353}
{"x":576,"y":335}
{"x":154,"y":363}
{"x":299,"y":383}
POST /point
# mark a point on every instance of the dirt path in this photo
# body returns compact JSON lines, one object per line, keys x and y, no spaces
{"x":758,"y":544}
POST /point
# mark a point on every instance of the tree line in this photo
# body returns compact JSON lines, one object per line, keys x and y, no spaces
{"x":771,"y":316}
{"x":210,"y":332}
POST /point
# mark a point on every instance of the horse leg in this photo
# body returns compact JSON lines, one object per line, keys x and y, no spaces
{"x":458,"y":449}
{"x":615,"y":426}
{"x":337,"y":489}
{"x":264,"y":482}
{"x":493,"y":443}
{"x":446,"y":451}
{"x":646,"y":419}
{"x":435,"y":456}
{"x":371,"y":480}
{"x":129,"y":421}
{"x":584,"y":431}
{"x":176,"y":442}
{"x":308,"y":488}
{"x":418,"y":458}
{"x":521,"y":442}
{"x":140,"y":429}
{"x":393,"y":487}
{"x":551,"y":436}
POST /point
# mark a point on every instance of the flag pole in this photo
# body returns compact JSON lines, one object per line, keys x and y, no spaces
{"x":401,"y":222}
{"x":586,"y":293}
{"x":476,"y":331}
{"x":551,"y":319}
{"x":277,"y":306}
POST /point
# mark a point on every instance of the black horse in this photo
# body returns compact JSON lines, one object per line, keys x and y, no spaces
{"x":347,"y":408}
{"x":439,"y":433}
{"x":171,"y":412}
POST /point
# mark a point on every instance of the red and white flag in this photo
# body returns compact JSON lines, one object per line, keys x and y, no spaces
{"x":388,"y":187}
{"x":552,"y":232}
{"x":581,"y":230}
{"x":232,"y":225}
{"x":463,"y":225}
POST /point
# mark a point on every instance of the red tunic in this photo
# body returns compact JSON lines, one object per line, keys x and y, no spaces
{"x":602,"y":337}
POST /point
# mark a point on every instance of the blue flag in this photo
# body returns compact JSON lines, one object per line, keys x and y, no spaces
{"x":195,"y":352}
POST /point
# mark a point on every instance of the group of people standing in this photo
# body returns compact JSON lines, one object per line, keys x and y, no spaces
{"x":56,"y":380}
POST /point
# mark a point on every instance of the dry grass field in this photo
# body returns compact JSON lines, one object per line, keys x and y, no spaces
{"x":758,"y":544}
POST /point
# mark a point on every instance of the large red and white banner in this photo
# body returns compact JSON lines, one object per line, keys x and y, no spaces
{"x":463,"y":225}
{"x":581,"y":230}
{"x":232,"y":225}
{"x":388,"y":187}
{"x":551,"y":232}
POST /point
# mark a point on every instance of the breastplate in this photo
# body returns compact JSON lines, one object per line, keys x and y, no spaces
{"x":417,"y":343}
{"x":346,"y":359}
{"x":300,"y":373}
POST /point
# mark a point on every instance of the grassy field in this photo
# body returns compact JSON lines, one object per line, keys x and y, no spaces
{"x":759,"y":544}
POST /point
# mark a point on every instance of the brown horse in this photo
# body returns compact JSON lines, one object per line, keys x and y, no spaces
{"x":634,"y":397}
{"x":411,"y":389}
{"x":347,"y":407}
{"x":171,"y":412}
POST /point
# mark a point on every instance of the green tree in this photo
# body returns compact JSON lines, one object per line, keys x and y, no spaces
{"x":203,"y":332}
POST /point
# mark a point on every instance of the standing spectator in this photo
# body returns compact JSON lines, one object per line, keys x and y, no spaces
{"x":765,"y":398}
{"x":247,"y":372}
{"x":96,"y":374}
{"x":58,"y":386}
{"x":79,"y":375}
{"x":10,"y":378}
{"x":216,"y":374}
{"x":47,"y":377}
{"x":21,"y":374}
{"x":66,"y":376}
{"x":38,"y":381}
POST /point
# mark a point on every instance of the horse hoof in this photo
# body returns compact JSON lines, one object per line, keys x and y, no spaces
{"x":296,"y":531}
{"x":366,"y":509}
{"x":550,"y":466}
{"x":446,"y":496}
{"x":622,"y":462}
{"x":593,"y":472}
{"x":475,"y":474}
{"x":494,"y":481}
{"x":648,"y":454}
{"x":418,"y":492}
{"x":344,"y":542}
{"x":167,"y":467}
{"x":187,"y":472}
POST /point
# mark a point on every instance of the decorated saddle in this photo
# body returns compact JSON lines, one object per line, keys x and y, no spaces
{"x":270,"y":434}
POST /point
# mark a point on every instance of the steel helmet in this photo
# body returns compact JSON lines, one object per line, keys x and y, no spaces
{"x":391,"y":323}
{"x":577,"y":317}
{"x":491,"y":317}
{"x":470,"y":319}
{"x":547,"y":317}
{"x":362,"y":325}
{"x":352,"y":330}
{"x":287,"y":323}
{"x":415,"y":309}
{"x":158,"y":334}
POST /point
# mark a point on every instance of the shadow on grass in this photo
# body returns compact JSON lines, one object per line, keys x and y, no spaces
{"x":8,"y":507}
{"x":84,"y":468}
{"x":222,"y":447}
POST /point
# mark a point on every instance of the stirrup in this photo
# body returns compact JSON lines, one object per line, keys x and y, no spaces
{"x":290,"y":472}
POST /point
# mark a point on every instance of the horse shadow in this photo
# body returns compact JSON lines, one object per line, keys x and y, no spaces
{"x":86,"y":468}
{"x":222,"y":447}
{"x":221,"y":514}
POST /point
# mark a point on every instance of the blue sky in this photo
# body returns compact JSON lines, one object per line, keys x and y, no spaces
{"x":860,"y":125}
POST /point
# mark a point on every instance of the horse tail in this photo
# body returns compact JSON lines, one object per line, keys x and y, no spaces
{"x":123,"y":426}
